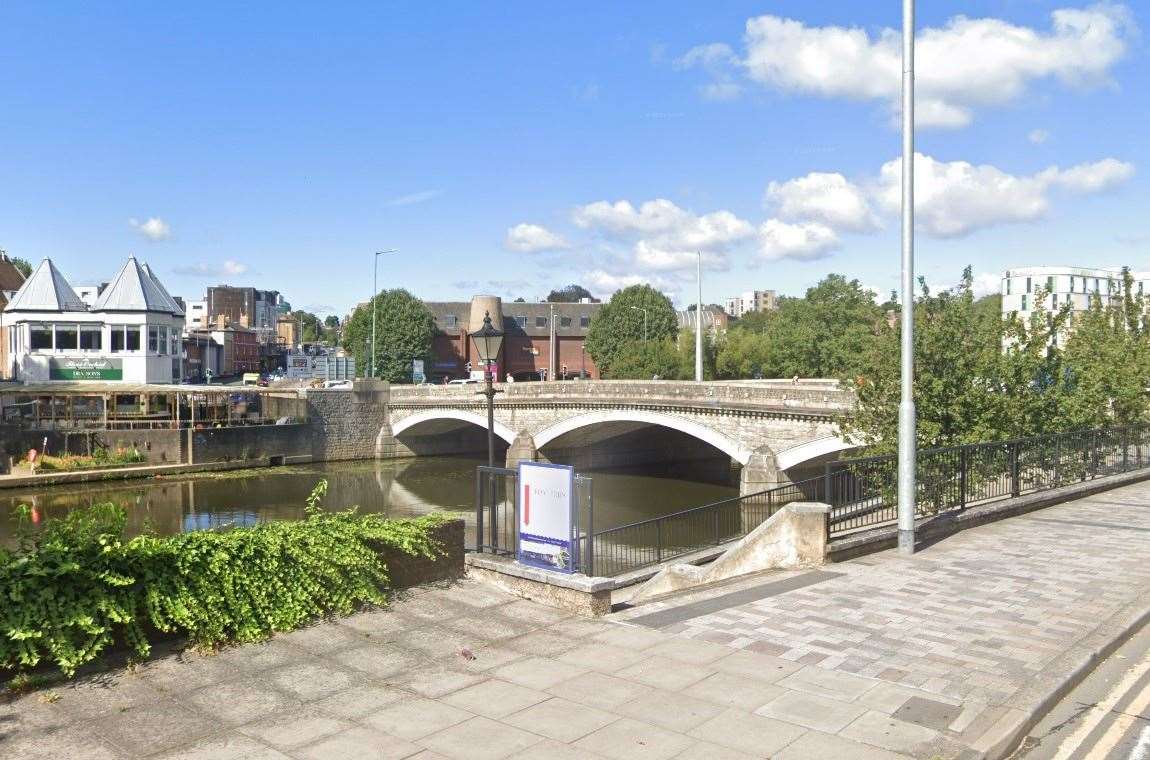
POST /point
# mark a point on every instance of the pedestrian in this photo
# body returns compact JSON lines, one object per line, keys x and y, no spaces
{"x":510,"y":377}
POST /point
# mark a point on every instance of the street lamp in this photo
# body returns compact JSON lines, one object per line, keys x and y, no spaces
{"x":488,"y":341}
{"x":907,"y":452}
{"x":374,"y":293}
{"x":640,"y":308}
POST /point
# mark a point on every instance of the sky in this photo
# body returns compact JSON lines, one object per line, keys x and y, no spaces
{"x":516,"y":147}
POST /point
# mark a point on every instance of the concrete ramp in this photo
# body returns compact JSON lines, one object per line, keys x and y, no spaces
{"x":795,"y":536}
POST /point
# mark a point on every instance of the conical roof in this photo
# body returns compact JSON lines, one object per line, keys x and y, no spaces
{"x":132,"y":289}
{"x":46,"y":290}
{"x":176,"y":310}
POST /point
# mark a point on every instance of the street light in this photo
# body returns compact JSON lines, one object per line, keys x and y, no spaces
{"x":374,"y":293}
{"x":488,"y":341}
{"x":640,"y":308}
{"x":907,"y":500}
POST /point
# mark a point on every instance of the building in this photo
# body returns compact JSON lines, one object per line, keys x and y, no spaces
{"x":715,"y":320}
{"x":130,"y":333}
{"x":1060,"y":286}
{"x":530,"y":349}
{"x":203,"y":357}
{"x":197,"y":315}
{"x":752,"y":300}
{"x":288,"y":332}
{"x":245,"y":307}
{"x":10,"y":281}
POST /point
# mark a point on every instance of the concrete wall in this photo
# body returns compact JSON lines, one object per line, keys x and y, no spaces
{"x":250,"y":442}
{"x":347,"y":424}
{"x":157,"y":446}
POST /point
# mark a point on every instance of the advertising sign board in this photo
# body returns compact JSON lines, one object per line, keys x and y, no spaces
{"x":417,"y":375}
{"x":545,"y":498}
{"x":85,"y":368}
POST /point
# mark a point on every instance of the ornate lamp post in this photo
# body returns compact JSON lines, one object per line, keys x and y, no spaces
{"x":488,"y":342}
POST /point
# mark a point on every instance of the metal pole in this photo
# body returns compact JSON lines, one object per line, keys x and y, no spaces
{"x":906,"y":411}
{"x":489,"y":391}
{"x":551,"y":342}
{"x":374,"y":293}
{"x":699,"y":322}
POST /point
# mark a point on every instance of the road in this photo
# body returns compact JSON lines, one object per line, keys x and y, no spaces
{"x":1107,"y":717}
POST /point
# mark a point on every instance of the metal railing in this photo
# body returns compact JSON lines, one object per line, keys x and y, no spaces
{"x":862,"y":492}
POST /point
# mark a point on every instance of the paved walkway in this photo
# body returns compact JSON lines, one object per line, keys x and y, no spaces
{"x":934,"y":656}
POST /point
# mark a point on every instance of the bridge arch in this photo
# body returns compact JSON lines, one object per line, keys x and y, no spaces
{"x":805,"y":452}
{"x":709,"y":435}
{"x":433,"y":415}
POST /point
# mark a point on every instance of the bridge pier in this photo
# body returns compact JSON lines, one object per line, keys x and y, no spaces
{"x":761,"y":472}
{"x":522,"y":449}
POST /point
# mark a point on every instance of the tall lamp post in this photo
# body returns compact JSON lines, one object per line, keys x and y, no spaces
{"x":906,"y":413}
{"x":640,"y":308}
{"x":699,"y":322}
{"x":374,"y":293}
{"x":488,"y":341}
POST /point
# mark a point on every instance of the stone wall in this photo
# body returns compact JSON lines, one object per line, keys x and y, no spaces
{"x":250,"y":442}
{"x":346,"y":424}
{"x":157,"y":446}
{"x":405,"y":570}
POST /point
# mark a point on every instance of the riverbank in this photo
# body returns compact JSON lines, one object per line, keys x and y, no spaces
{"x":143,"y":471}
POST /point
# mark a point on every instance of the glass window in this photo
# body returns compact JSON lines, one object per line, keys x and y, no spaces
{"x":91,"y":337}
{"x":67,"y":338}
{"x":174,"y":337}
{"x":153,"y":338}
{"x":1024,"y":303}
{"x":117,"y":333}
{"x":131,"y":338}
{"x":450,"y":320}
{"x":521,"y":320}
{"x":163,"y":341}
{"x":1050,"y":284}
{"x":1027,"y":284}
{"x":564,"y":321}
{"x":541,"y":321}
{"x":584,"y":320}
{"x":1095,"y":284}
{"x":1054,"y":300}
{"x":1007,"y":289}
{"x":41,"y":336}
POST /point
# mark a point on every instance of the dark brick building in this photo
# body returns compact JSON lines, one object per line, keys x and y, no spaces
{"x":528,"y":341}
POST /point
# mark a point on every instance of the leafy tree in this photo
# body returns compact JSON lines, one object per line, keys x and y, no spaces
{"x":755,"y":321}
{"x":23,"y":266}
{"x":570,"y":294}
{"x":404,"y":331}
{"x":686,"y":351}
{"x":742,"y":353}
{"x":331,"y":322}
{"x":521,"y":299}
{"x":825,"y":333}
{"x":620,"y":321}
{"x":643,"y":359}
{"x":312,"y":330}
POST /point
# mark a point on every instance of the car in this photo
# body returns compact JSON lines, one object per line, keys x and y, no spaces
{"x":463,"y":381}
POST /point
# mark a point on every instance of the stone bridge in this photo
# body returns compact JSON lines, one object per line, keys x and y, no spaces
{"x":769,"y":432}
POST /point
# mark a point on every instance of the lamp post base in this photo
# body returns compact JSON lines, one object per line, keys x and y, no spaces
{"x":906,"y":541}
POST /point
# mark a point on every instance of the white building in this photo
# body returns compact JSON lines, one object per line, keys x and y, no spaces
{"x":131,"y":332}
{"x":752,"y":300}
{"x":1063,"y":285}
{"x":197,"y":315}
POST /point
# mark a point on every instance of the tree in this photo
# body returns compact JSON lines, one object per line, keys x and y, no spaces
{"x":643,"y":359}
{"x":570,"y":294}
{"x":742,"y":354}
{"x":331,"y":322}
{"x":23,"y":266}
{"x":521,"y":299}
{"x":620,"y":321}
{"x":686,"y":351}
{"x":823,"y":334}
{"x":311,"y":329}
{"x":404,"y":331}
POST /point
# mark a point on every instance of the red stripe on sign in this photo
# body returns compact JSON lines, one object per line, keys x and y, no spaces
{"x":526,"y":505}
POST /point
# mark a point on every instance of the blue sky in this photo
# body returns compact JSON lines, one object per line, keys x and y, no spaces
{"x":279,"y":144}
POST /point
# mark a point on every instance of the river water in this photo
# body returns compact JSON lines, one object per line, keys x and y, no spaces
{"x":396,"y":488}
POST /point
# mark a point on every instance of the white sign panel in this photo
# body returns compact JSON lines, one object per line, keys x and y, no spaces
{"x":546,"y":493}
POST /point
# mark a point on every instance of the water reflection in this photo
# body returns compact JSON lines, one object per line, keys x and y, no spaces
{"x":396,"y":488}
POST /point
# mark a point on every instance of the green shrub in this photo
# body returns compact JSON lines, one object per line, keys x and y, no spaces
{"x":78,"y":586}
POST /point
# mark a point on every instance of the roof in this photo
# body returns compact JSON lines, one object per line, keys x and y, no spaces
{"x":511,"y":310}
{"x":134,"y":289}
{"x":176,"y":309}
{"x":46,"y":290}
{"x":10,"y":277}
{"x":65,"y":388}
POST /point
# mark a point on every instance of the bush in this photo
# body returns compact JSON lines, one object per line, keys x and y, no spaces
{"x":78,"y":586}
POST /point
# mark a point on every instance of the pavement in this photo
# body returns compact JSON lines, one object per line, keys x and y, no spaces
{"x":952,"y":653}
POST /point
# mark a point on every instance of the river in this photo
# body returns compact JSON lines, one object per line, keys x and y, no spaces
{"x":397,"y":488}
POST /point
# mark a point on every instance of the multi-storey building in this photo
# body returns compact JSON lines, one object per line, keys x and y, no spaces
{"x":246,"y":307}
{"x":1060,"y":286}
{"x":752,"y":300}
{"x":10,"y":281}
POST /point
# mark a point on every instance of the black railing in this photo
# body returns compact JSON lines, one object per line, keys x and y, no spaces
{"x":863,"y":492}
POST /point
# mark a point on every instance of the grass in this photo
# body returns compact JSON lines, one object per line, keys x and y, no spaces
{"x":73,"y":462}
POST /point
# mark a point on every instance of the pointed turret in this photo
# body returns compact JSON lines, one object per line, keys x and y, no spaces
{"x":134,"y":289}
{"x":46,"y":290}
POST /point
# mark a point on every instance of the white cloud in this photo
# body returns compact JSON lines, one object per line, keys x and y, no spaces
{"x":955,"y":198}
{"x":533,"y":238}
{"x":823,"y":197}
{"x":803,"y":242}
{"x":966,"y":64}
{"x":153,"y":228}
{"x":603,"y":283}
{"x":413,"y":198}
{"x":986,"y":283}
{"x":228,"y":268}
{"x":1038,"y":136}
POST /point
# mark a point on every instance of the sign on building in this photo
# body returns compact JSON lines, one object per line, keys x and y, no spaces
{"x":545,"y":498}
{"x":417,"y":375}
{"x":85,"y":368}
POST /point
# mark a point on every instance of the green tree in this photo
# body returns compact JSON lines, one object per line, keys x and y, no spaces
{"x":825,"y":333}
{"x":742,"y":353}
{"x":23,"y":266}
{"x":643,"y":359}
{"x":686,"y":352}
{"x":404,"y":331}
{"x":312,"y":330}
{"x":620,"y":322}
{"x":570,"y":294}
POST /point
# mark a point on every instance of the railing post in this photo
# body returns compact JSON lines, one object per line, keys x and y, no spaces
{"x":962,"y":477}
{"x":658,"y":541}
{"x":479,"y":491}
{"x":1125,"y":450}
{"x":716,"y":527}
{"x":1093,"y":454}
{"x":590,"y":527}
{"x":1057,"y":460}
{"x":827,"y":484}
{"x":1015,"y":471}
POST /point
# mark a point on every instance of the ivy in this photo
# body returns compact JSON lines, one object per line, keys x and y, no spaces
{"x":78,"y":586}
